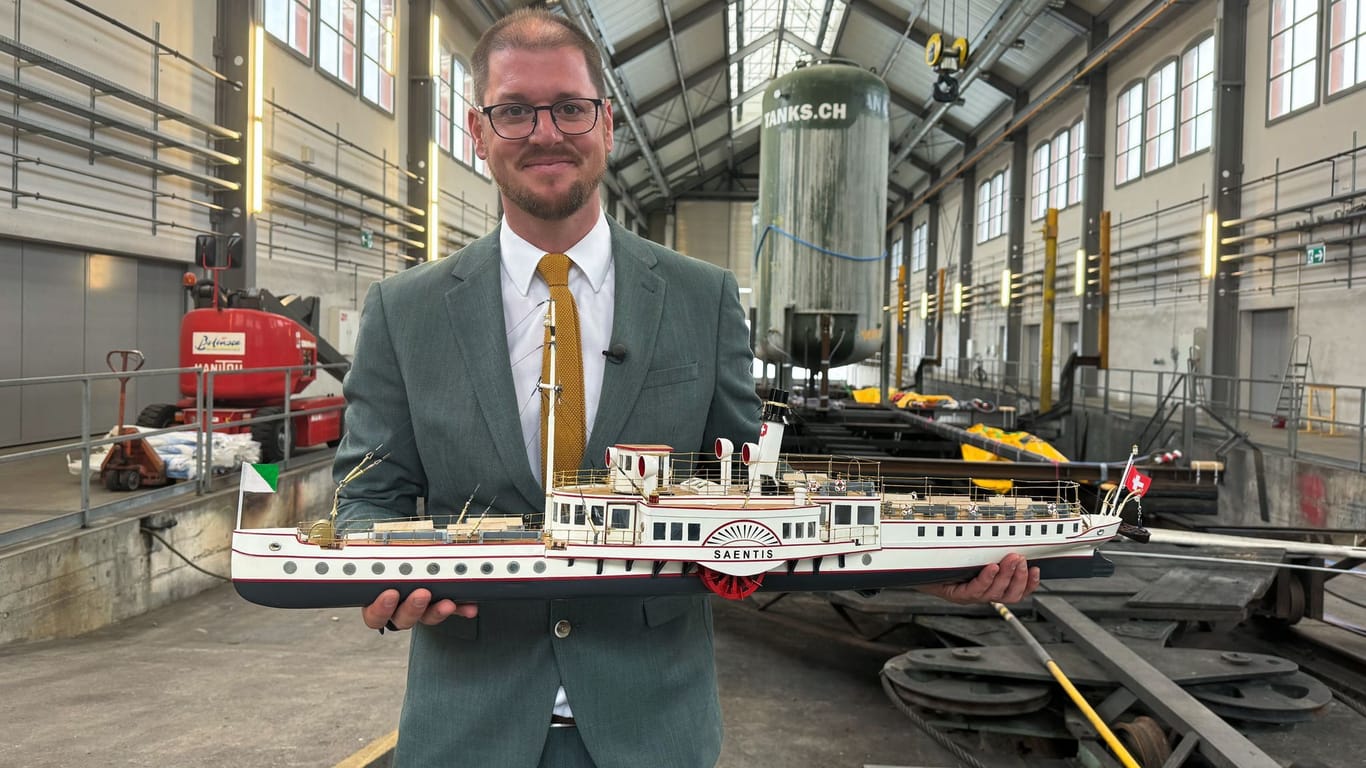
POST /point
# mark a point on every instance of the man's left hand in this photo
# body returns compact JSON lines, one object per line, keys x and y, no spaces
{"x":1009,"y":581}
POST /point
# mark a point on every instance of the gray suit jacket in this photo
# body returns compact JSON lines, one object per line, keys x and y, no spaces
{"x":431,"y":384}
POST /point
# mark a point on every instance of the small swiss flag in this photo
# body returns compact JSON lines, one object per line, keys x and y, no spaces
{"x":1136,"y":482}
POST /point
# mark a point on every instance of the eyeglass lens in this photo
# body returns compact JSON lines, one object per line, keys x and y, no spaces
{"x":571,"y":117}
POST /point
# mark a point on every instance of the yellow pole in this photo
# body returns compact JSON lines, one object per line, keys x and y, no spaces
{"x":900,"y":326}
{"x":1050,"y":275}
{"x":1111,"y":740}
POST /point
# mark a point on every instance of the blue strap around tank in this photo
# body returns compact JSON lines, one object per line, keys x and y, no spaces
{"x":813,"y":246}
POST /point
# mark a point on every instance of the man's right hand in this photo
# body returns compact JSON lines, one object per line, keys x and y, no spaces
{"x":417,"y":608}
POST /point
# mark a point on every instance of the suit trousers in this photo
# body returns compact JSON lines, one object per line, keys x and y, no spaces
{"x":564,"y":749}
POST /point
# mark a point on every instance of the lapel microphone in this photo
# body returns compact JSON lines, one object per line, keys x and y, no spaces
{"x":617,"y":354}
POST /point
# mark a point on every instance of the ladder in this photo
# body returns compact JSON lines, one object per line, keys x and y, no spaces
{"x":1298,"y":370}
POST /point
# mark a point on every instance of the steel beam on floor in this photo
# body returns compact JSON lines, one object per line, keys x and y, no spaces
{"x":1218,"y":741}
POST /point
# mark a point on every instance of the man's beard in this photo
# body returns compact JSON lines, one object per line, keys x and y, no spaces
{"x":550,"y":209}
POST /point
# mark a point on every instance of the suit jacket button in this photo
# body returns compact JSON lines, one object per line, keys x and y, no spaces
{"x":562,"y":629}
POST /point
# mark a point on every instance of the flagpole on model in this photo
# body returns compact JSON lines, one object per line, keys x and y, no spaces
{"x":549,"y":390}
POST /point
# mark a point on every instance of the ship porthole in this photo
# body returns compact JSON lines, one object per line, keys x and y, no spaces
{"x":486,"y":568}
{"x":513,"y":567}
{"x":405,"y":569}
{"x":321,"y":568}
{"x":377,"y":568}
{"x":433,"y":568}
{"x":349,"y":569}
{"x":460,"y":569}
{"x":274,"y":546}
{"x":867,"y":558}
{"x":538,"y":567}
{"x":290,"y":567}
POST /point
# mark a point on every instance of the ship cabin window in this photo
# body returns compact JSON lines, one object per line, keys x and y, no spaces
{"x":976,"y":530}
{"x":1012,"y":530}
{"x":578,"y":514}
{"x":1029,"y":529}
{"x":958,"y":531}
{"x":920,"y":530}
{"x":843,"y":514}
{"x":595,"y":515}
{"x":563,"y":515}
{"x":867,"y":514}
{"x":621,"y":517}
{"x":694,"y":531}
{"x":1059,"y":527}
{"x":811,"y":530}
{"x":940,"y":528}
{"x":659,"y":531}
{"x":995,"y":530}
{"x":676,"y":531}
{"x":1075,"y":527}
{"x":787,"y":530}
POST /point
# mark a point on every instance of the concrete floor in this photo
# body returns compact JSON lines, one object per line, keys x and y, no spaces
{"x":215,"y":682}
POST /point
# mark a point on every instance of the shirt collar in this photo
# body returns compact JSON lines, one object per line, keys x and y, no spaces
{"x":592,"y":255}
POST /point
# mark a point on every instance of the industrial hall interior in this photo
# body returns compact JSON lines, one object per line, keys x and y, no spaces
{"x":679,"y":383}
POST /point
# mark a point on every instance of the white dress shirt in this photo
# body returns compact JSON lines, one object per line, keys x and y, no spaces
{"x":592,"y":280}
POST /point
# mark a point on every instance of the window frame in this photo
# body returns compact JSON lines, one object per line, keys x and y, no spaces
{"x":365,"y":59}
{"x":1359,"y":40}
{"x":1076,"y":162}
{"x":1062,"y":159}
{"x":994,"y":222}
{"x":1040,"y":172}
{"x":1124,"y":92}
{"x":1318,"y":38}
{"x":445,"y":88}
{"x":317,"y":45}
{"x":1149,"y":107}
{"x":305,"y":56}
{"x":1181,"y":118}
{"x":920,"y":246}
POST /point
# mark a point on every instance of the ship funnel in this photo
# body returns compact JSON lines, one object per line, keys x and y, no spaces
{"x":762,"y":458}
{"x":724,"y":450}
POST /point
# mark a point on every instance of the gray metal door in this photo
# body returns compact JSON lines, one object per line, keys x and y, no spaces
{"x":1270,"y":343}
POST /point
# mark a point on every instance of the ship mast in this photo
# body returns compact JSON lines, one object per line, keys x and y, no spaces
{"x":550,"y":391}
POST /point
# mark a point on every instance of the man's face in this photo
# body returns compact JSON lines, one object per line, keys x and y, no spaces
{"x":548,"y":175}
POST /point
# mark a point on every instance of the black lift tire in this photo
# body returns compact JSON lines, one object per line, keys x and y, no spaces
{"x":271,"y":436}
{"x":157,"y":416}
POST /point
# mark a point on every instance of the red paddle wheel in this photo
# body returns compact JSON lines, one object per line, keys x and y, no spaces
{"x":730,"y":587}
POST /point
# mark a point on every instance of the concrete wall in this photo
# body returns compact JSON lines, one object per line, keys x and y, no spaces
{"x":69,"y":585}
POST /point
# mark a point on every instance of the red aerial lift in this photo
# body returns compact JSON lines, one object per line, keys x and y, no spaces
{"x":236,"y":334}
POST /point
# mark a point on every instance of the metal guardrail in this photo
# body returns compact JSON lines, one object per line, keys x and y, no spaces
{"x":203,"y":480}
{"x":1330,"y":426}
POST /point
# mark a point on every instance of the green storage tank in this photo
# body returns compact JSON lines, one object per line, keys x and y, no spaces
{"x":822,"y":214}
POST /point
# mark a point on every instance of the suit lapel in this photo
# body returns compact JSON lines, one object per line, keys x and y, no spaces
{"x":636,"y":313}
{"x":475,"y":310}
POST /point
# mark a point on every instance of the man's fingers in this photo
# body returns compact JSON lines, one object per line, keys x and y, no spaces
{"x":377,"y":613}
{"x":410,"y":611}
{"x":468,"y":610}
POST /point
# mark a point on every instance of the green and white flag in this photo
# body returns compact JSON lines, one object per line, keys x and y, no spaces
{"x":260,"y":478}
{"x":256,"y":478}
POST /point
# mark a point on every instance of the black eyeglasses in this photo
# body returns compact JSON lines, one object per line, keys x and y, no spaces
{"x":573,"y":117}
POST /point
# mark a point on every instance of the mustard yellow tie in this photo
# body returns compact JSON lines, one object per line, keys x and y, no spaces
{"x":570,"y":421}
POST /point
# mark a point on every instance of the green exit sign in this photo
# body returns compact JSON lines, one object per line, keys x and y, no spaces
{"x":1314,"y":253}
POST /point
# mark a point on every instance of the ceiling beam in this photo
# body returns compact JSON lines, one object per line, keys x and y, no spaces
{"x":660,"y":35}
{"x":668,"y":93}
{"x":1076,"y":19}
{"x":677,"y":133}
{"x":951,"y":129}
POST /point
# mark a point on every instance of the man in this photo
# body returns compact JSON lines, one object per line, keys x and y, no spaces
{"x":444,"y":378}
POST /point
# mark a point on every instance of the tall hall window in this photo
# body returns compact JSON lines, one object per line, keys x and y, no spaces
{"x":919,"y":246}
{"x":1346,"y":44}
{"x":992,"y":207}
{"x":378,"y":54}
{"x":444,"y":97}
{"x":1039,"y":182}
{"x":1075,"y":170}
{"x":1292,"y":67}
{"x":1057,"y":196}
{"x":290,"y":22}
{"x":1129,"y":135}
{"x":1197,"y":97}
{"x":337,"y":39}
{"x":1160,"y":120}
